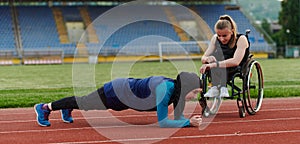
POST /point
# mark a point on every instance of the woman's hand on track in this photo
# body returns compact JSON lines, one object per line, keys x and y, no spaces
{"x":196,"y":120}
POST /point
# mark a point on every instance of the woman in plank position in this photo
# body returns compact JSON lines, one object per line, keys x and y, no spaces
{"x":153,"y":93}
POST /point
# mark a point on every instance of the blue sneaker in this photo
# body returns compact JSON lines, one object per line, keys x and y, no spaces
{"x":66,"y":115}
{"x":42,"y":115}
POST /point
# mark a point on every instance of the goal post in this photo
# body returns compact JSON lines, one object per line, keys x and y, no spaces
{"x":181,"y":48}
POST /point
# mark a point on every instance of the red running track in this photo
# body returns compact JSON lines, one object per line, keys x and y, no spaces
{"x":277,"y":122}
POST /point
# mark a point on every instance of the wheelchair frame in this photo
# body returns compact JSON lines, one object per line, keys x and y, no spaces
{"x":251,"y":91}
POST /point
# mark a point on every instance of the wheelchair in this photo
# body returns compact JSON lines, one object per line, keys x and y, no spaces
{"x":246,"y":84}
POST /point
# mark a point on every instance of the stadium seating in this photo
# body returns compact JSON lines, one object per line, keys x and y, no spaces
{"x":7,"y":39}
{"x":70,"y":13}
{"x":131,"y":31}
{"x":211,"y":13}
{"x":38,"y":29}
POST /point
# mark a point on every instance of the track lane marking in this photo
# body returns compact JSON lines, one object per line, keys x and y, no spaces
{"x":184,"y":137}
{"x":128,"y":126}
{"x":133,"y":116}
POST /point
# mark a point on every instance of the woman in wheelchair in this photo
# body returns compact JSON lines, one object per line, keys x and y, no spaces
{"x":226,"y":51}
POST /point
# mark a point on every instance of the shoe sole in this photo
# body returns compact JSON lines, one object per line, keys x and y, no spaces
{"x":37,"y":117}
{"x":208,"y":96}
{"x":63,"y":119}
{"x":224,"y":96}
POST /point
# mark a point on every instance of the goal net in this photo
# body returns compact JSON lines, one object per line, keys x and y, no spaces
{"x":183,"y":50}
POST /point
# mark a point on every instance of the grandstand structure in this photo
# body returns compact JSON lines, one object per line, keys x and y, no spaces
{"x":40,"y":32}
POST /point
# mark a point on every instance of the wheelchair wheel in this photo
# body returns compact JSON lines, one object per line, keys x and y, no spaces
{"x":212,"y":104}
{"x":253,"y":86}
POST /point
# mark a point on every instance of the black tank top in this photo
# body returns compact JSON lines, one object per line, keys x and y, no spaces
{"x":229,"y":52}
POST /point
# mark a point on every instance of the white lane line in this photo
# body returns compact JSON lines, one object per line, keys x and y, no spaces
{"x":99,"y":111}
{"x":70,"y":129}
{"x":132,"y":116}
{"x":227,"y":103}
{"x":79,"y":118}
{"x":130,"y":125}
{"x":260,"y":120}
{"x":183,"y":137}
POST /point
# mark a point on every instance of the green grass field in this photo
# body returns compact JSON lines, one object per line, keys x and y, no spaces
{"x":24,"y":86}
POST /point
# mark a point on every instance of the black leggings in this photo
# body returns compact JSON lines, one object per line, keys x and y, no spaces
{"x":219,"y":77}
{"x":93,"y":101}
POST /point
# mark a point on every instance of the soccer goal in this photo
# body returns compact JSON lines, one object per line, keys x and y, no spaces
{"x":183,"y":50}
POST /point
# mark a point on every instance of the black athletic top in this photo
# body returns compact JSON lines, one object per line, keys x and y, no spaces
{"x":229,"y":52}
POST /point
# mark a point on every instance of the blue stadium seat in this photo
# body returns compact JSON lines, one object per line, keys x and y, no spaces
{"x":37,"y":27}
{"x":211,"y":13}
{"x":7,"y":38}
{"x":70,"y":13}
{"x":128,"y":33}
